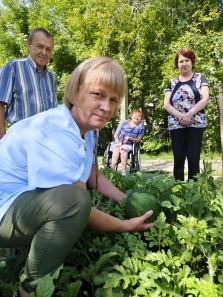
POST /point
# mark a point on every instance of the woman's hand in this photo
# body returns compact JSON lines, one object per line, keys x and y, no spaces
{"x":138,"y":224}
{"x":126,"y":139}
{"x":185,"y":119}
{"x":103,"y":222}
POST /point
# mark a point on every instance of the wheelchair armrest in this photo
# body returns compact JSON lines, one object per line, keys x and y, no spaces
{"x":108,"y":147}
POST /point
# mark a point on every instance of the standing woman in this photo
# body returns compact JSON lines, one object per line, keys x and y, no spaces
{"x":185,"y":99}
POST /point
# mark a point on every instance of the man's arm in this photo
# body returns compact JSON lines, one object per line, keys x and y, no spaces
{"x":2,"y":119}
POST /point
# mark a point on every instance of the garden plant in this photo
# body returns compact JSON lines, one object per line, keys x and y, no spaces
{"x":182,"y":255}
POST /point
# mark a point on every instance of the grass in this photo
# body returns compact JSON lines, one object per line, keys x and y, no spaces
{"x":168,"y":156}
{"x":162,"y":156}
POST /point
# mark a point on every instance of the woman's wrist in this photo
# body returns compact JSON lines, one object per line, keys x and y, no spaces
{"x":191,"y":113}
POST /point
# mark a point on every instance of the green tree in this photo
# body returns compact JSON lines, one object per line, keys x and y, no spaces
{"x":143,"y":36}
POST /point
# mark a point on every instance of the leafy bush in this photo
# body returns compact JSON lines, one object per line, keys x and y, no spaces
{"x":152,"y":145}
{"x":181,"y":256}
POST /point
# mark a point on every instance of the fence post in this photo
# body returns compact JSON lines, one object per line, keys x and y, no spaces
{"x":124,"y":105}
{"x":221,"y":121}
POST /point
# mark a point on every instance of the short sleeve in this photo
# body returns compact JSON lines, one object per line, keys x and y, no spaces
{"x":204,"y":81}
{"x":142,"y":129}
{"x":119,"y":128}
{"x":6,"y":82}
{"x":54,"y":88}
{"x":169,"y":88}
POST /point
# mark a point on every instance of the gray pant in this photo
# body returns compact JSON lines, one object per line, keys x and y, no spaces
{"x":51,"y":221}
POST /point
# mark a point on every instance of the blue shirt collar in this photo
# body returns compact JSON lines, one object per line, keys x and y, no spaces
{"x":33,"y":64}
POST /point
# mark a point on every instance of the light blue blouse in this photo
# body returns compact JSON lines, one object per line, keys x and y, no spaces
{"x":43,"y":151}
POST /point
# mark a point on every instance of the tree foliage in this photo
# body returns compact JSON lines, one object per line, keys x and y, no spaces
{"x":143,"y":36}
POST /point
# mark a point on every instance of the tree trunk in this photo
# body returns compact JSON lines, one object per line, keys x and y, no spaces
{"x":221,"y":121}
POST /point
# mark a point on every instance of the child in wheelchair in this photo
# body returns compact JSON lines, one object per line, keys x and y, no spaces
{"x":127,"y":133}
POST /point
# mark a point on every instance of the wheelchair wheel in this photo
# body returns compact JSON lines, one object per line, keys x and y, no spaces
{"x":107,"y":156}
{"x":135,"y":162}
{"x":132,"y":168}
{"x":138,"y":162}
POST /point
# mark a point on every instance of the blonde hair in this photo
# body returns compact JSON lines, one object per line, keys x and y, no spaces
{"x":101,"y":70}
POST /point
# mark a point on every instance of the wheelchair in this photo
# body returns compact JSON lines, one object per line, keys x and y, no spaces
{"x":134,"y":162}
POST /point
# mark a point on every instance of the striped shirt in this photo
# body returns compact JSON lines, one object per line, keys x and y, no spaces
{"x":25,"y":90}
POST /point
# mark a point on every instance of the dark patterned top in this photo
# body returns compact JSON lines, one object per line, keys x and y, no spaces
{"x":184,"y":95}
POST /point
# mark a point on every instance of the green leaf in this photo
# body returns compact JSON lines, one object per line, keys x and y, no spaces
{"x":45,"y":287}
